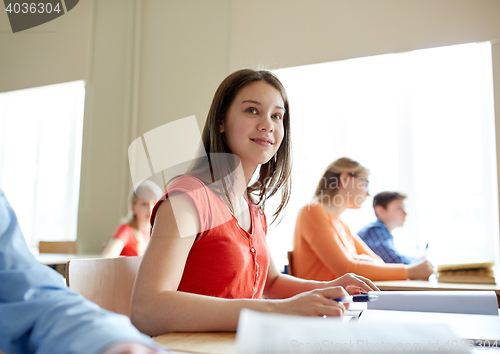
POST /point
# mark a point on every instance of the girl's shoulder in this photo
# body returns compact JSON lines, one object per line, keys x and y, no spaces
{"x":185,"y":182}
{"x":207,"y":204}
{"x":124,"y":227}
{"x":123,"y":230}
{"x":313,"y":208}
{"x":191,"y":186}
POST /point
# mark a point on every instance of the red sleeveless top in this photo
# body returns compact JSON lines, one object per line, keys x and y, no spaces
{"x":225,"y":260}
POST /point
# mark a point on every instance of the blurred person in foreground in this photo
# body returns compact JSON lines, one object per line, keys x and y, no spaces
{"x":39,"y":314}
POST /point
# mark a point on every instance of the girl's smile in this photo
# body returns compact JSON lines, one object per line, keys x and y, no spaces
{"x":253,"y":126}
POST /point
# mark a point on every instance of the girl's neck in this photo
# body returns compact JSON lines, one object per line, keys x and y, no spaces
{"x":334,"y":209}
{"x":242,"y":176}
{"x":140,"y":226}
{"x":241,"y":179}
{"x":329,"y":203}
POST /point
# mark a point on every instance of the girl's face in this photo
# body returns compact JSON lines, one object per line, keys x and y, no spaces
{"x":142,"y":210}
{"x":356,"y":186}
{"x":253,"y":126}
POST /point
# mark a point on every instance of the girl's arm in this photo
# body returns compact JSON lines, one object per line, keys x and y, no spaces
{"x":113,"y":249}
{"x":279,"y":286}
{"x":157,"y":307}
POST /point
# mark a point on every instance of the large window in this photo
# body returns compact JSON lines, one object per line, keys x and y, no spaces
{"x":423,"y":123}
{"x":40,"y":158}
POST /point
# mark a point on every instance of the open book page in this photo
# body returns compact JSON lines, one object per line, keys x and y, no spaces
{"x":468,"y":302}
{"x":266,"y":333}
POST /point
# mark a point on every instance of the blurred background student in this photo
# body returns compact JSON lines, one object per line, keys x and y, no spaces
{"x":390,"y":211}
{"x":131,"y":237}
{"x":325,"y":248}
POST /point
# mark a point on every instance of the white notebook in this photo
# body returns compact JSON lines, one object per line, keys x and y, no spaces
{"x":466,"y":302}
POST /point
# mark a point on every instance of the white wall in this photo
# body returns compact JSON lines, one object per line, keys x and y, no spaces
{"x":149,"y":62}
{"x":283,"y":33}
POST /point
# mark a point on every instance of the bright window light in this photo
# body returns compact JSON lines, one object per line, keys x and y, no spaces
{"x":40,"y":157}
{"x":423,"y":123}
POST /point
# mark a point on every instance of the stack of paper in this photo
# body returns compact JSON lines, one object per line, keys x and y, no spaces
{"x":470,"y":273}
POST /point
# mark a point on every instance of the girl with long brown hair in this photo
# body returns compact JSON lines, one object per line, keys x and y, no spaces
{"x":208,"y":258}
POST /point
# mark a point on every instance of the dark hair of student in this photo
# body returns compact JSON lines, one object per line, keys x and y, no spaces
{"x":273,"y":175}
{"x":384,"y":198}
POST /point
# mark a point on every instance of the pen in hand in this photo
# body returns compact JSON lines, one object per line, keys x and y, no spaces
{"x":356,"y":298}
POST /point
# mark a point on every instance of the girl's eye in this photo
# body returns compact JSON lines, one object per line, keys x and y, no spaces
{"x":251,"y":110}
{"x":277,"y":116}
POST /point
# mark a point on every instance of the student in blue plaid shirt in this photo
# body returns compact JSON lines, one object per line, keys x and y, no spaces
{"x":390,"y":211}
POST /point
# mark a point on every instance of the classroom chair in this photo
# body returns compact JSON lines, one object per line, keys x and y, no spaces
{"x":290,"y":262}
{"x":57,"y":247}
{"x":106,"y":281}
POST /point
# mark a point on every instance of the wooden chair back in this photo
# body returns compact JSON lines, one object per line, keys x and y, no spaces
{"x":106,"y":281}
{"x":57,"y":247}
{"x":290,"y":262}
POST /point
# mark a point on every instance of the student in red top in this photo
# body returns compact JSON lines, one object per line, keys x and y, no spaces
{"x":132,"y":236}
{"x":208,"y":258}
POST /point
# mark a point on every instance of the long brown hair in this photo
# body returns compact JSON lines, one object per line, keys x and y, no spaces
{"x":273,"y":175}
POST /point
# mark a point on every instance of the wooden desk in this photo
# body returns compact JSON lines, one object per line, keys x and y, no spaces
{"x":51,"y":259}
{"x":432,"y":284}
{"x":57,"y":261}
{"x":200,"y":343}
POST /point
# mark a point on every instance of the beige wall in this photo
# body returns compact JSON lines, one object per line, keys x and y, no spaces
{"x":495,"y":53}
{"x":149,"y":62}
{"x":283,"y":33}
{"x":171,"y":56}
{"x":57,"y":51}
{"x":153,"y":62}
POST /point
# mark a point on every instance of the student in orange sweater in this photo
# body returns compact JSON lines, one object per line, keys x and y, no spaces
{"x":325,"y":248}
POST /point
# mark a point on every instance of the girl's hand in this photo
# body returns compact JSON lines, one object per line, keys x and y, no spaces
{"x":354,"y":283}
{"x":314,"y":303}
{"x":420,"y":270}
